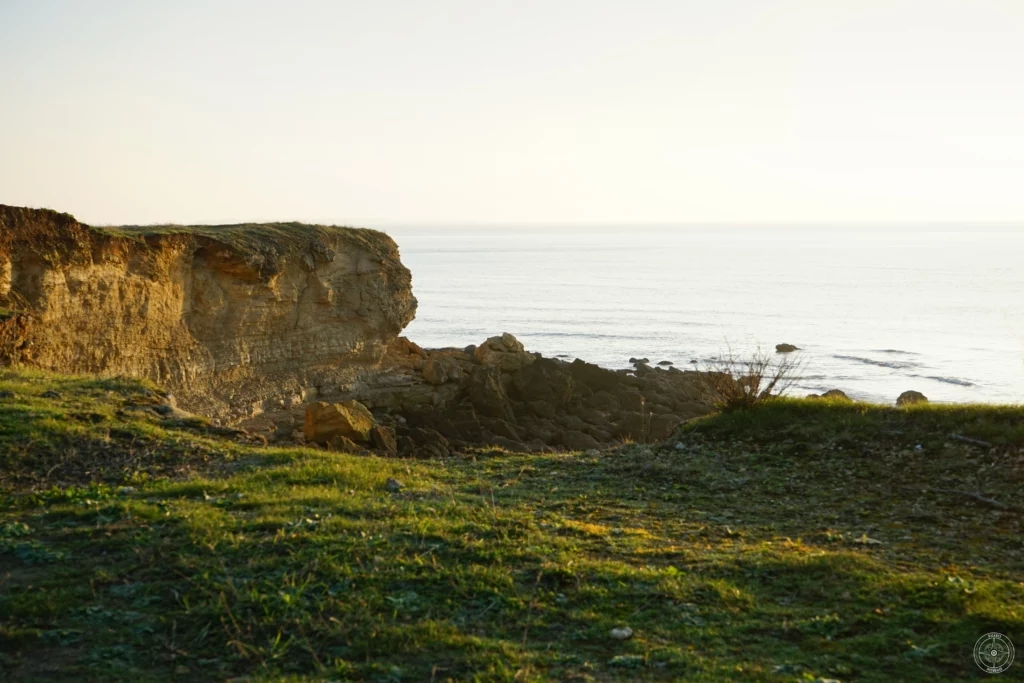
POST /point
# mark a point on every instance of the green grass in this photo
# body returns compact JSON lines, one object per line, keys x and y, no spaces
{"x":799,"y":541}
{"x":255,"y":238}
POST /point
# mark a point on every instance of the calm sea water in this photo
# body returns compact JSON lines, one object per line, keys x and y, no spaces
{"x":876,"y":311}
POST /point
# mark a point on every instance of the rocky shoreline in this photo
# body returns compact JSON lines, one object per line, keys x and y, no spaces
{"x":434,"y":402}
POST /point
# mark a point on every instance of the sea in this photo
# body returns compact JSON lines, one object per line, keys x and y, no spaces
{"x":876,"y":310}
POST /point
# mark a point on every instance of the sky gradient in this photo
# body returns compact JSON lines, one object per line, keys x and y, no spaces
{"x":375,"y":113}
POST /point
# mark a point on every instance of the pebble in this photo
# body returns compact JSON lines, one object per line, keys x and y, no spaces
{"x":393,"y":485}
{"x":624,"y":633}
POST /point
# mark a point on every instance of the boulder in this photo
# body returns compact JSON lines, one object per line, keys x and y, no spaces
{"x":908,"y":398}
{"x":383,"y":439}
{"x":634,"y":426}
{"x":325,"y":421}
{"x":505,"y":352}
{"x":577,"y":441}
{"x":544,"y":380}
{"x":602,"y":400}
{"x":836,"y":395}
{"x":487,"y":395}
{"x":631,"y":400}
{"x":427,"y":443}
{"x":594,"y":376}
{"x":499,"y":427}
{"x":441,"y":369}
{"x":662,"y":426}
{"x":344,"y":444}
{"x":542,"y":409}
{"x":786,"y":348}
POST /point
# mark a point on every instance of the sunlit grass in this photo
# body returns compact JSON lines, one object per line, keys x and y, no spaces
{"x":794,"y":542}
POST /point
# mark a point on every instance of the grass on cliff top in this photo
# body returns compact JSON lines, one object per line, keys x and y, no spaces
{"x":250,"y":237}
{"x":801,"y":541}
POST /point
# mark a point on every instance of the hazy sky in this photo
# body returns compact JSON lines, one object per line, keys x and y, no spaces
{"x":376,"y":112}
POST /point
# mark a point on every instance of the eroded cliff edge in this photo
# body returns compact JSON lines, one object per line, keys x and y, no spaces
{"x":230,"y":318}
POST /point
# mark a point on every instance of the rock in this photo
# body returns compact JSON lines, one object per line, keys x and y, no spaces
{"x":623,"y":633}
{"x":594,"y":376}
{"x":428,"y":443}
{"x":604,"y":401}
{"x":786,"y":348}
{"x":813,"y":395}
{"x":471,"y":349}
{"x":50,"y":394}
{"x":642,"y":368}
{"x":634,"y":426}
{"x":577,"y":441}
{"x":344,"y":444}
{"x":542,"y":409}
{"x":224,"y":323}
{"x":505,"y":352}
{"x":325,"y":421}
{"x":544,"y":380}
{"x":634,"y":361}
{"x":591,"y":416}
{"x":662,"y":426}
{"x":500,"y":428}
{"x":908,"y":398}
{"x":836,"y":395}
{"x":393,"y":485}
{"x":487,"y":394}
{"x":383,"y":439}
{"x":631,"y":400}
{"x":404,"y":346}
{"x":441,"y":370}
{"x":664,"y":362}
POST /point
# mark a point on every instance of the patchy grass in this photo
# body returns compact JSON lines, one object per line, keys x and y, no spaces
{"x":794,"y":542}
{"x":256,"y":238}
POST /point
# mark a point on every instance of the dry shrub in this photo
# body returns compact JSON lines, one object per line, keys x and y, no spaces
{"x":731,"y":383}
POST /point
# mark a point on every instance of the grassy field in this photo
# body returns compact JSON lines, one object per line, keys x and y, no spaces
{"x":800,"y":541}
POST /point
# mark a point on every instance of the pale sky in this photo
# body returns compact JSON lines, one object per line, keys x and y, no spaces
{"x":633,"y":111}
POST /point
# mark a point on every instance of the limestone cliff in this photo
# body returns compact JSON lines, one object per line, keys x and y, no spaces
{"x":232,"y":319}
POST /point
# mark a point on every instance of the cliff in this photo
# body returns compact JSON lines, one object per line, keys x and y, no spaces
{"x":230,"y":318}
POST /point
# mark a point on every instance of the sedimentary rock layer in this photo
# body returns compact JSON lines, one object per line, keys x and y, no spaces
{"x":229,"y":318}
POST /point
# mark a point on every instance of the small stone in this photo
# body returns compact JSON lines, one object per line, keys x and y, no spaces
{"x":126,"y":490}
{"x":393,"y":485}
{"x":624,"y":633}
{"x":680,"y":446}
{"x":50,"y":394}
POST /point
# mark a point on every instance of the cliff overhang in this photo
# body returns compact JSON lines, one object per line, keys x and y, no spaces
{"x":230,"y":318}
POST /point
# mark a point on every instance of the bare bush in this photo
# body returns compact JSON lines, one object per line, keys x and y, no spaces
{"x":731,"y":383}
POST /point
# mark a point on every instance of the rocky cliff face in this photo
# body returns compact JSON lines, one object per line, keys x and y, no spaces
{"x":232,"y":319}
